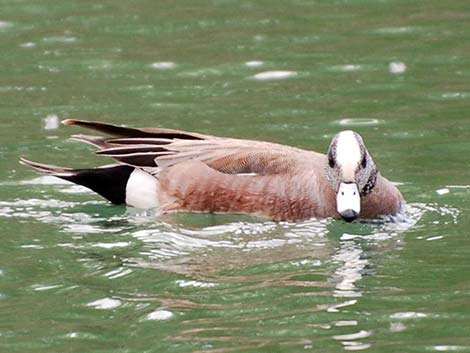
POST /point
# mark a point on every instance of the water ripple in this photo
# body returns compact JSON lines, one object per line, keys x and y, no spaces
{"x":163,"y":65}
{"x":5,"y":24}
{"x":105,"y":304}
{"x":160,"y":314}
{"x":60,"y":39}
{"x":274,"y":75}
{"x":359,"y":122}
{"x":254,"y":63}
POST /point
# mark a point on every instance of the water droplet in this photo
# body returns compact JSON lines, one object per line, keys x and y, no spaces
{"x":397,"y":67}
{"x":51,"y":122}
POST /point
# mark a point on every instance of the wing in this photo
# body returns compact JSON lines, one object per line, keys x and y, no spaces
{"x":162,"y":148}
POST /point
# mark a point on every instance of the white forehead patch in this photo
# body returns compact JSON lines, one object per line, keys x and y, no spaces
{"x":348,"y":154}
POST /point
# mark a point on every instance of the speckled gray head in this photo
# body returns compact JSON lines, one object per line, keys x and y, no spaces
{"x":351,"y":172}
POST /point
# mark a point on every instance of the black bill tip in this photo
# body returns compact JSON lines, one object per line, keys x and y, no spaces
{"x":349,"y":215}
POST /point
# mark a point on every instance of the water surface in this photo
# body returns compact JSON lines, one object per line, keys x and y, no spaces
{"x":80,"y":275}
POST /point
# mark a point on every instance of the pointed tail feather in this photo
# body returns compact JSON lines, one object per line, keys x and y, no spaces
{"x":47,"y":168}
{"x":121,"y":131}
{"x":108,"y":181}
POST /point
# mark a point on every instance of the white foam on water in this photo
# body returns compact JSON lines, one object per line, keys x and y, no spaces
{"x":342,"y":323}
{"x":397,"y":67}
{"x":254,"y":63}
{"x":353,"y":336}
{"x":355,"y":346}
{"x":346,"y":68}
{"x":41,"y":287}
{"x":450,"y":348}
{"x":442,"y":191}
{"x":44,"y":180}
{"x":160,"y":315}
{"x":5,"y":24}
{"x":120,"y":272}
{"x":334,"y":308}
{"x":60,"y":39}
{"x":198,"y":284}
{"x":359,"y":122}
{"x":119,"y":244}
{"x":438,"y":237}
{"x":397,"y":327}
{"x":408,"y":315}
{"x":105,"y":304}
{"x":163,"y":65}
{"x":31,"y":246}
{"x":396,"y":30}
{"x":28,"y":45}
{"x":51,"y":122}
{"x":91,"y":229}
{"x":455,"y":95}
{"x":274,"y":75}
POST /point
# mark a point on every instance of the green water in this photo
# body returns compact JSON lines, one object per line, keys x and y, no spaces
{"x":80,"y":275}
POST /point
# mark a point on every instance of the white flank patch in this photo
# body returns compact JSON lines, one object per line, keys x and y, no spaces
{"x":141,"y":190}
{"x":348,"y":154}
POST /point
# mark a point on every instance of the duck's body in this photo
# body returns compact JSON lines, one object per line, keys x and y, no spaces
{"x":174,"y":170}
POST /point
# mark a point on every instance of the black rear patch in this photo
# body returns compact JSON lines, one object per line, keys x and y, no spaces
{"x":109,"y":182}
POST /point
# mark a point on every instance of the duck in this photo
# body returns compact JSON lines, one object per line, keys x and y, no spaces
{"x":173,"y":170}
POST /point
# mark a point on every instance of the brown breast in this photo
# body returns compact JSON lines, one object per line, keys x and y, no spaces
{"x":193,"y":186}
{"x":297,"y":195}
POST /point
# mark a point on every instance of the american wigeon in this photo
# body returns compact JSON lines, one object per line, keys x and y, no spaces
{"x":174,"y":170}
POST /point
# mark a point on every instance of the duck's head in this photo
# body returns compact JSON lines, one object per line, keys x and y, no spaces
{"x":351,"y":172}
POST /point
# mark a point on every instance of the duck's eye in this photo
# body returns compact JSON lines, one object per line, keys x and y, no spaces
{"x":331,"y":161}
{"x":364,"y":162}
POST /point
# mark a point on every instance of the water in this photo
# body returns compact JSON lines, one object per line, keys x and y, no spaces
{"x":80,"y":275}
